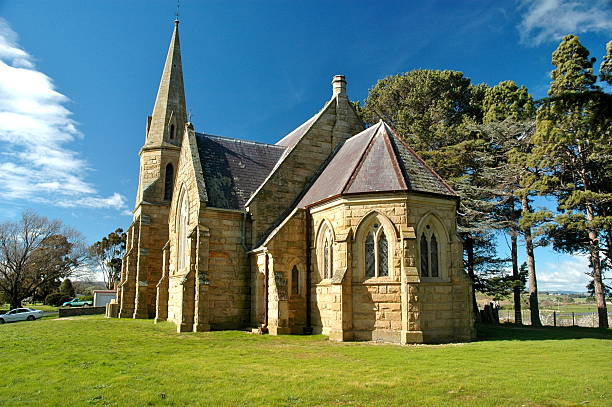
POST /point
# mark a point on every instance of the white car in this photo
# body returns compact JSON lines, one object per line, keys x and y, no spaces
{"x":21,"y":314}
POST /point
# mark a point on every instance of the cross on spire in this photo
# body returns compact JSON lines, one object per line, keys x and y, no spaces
{"x":178,"y":6}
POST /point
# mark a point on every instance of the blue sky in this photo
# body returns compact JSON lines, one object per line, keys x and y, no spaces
{"x":78,"y":79}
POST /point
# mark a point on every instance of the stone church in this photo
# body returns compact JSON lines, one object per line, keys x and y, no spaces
{"x":336,"y":229}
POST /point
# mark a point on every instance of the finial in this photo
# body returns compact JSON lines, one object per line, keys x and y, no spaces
{"x":178,"y":6}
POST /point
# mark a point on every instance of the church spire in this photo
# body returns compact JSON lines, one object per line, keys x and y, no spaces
{"x":169,"y":113}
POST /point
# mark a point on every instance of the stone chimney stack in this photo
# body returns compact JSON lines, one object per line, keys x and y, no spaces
{"x":339,"y":86}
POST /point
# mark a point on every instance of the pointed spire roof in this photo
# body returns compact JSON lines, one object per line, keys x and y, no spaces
{"x":375,"y":160}
{"x":170,"y":108}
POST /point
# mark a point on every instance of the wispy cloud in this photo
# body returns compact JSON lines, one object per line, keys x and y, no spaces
{"x":35,"y":129}
{"x":550,"y":20}
{"x":567,"y":274}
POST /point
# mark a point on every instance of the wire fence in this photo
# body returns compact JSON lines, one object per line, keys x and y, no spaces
{"x":555,"y":318}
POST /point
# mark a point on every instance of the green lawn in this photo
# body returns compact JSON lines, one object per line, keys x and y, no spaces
{"x":109,"y":362}
{"x":39,"y":306}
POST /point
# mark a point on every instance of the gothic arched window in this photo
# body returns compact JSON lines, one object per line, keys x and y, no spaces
{"x":383,"y":255}
{"x":370,"y":256}
{"x":433,"y":245}
{"x":429,"y":249}
{"x":183,"y":221}
{"x":424,"y":256}
{"x":326,"y":251}
{"x":376,"y":252}
{"x":168,"y":182}
{"x":295,"y":281}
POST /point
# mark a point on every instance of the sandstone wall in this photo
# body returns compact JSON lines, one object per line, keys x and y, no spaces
{"x":181,"y":282}
{"x":334,"y":125}
{"x":212,"y":291}
{"x":228,"y":270}
{"x":401,"y":307}
{"x":285,"y":249}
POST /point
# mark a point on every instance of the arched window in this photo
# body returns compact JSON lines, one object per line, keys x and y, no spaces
{"x":383,"y":255}
{"x":424,"y":257}
{"x":326,"y":251}
{"x":295,"y":281}
{"x":429,"y":251}
{"x":433,"y":244}
{"x":370,"y":256}
{"x":376,"y":252}
{"x":172,"y":132}
{"x":168,"y":182}
{"x":183,"y":221}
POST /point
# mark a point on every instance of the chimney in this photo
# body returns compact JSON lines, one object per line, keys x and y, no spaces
{"x":338,"y":86}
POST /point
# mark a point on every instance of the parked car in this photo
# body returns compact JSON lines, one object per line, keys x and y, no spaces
{"x":21,"y":314}
{"x":75,"y":302}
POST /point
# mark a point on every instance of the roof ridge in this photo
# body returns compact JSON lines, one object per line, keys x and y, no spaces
{"x":418,"y":157}
{"x":357,"y":167}
{"x":396,"y":165}
{"x":289,"y":149}
{"x":240,"y":140}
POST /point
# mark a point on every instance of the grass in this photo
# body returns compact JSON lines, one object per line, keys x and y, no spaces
{"x":42,"y":307}
{"x":109,"y":362}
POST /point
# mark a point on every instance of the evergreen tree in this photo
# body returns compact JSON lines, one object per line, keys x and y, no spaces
{"x":67,"y":288}
{"x":508,"y":125}
{"x":605,"y":71}
{"x":572,"y":142}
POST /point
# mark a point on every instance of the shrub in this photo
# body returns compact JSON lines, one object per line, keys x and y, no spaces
{"x":52,"y":299}
{"x":86,"y":298}
{"x":56,"y":299}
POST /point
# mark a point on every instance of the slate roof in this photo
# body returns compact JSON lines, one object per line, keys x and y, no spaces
{"x":233,"y":168}
{"x":375,"y":160}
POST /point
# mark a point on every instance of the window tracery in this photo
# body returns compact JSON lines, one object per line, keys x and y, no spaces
{"x":429,"y":252}
{"x":376,"y":250}
{"x":326,"y":245}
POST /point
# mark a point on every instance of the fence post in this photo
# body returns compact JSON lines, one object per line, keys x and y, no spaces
{"x":554,"y":318}
{"x":573,"y":320}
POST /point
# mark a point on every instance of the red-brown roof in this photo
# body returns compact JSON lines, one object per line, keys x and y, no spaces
{"x":375,"y":160}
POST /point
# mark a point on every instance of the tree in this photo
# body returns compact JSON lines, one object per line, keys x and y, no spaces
{"x":572,"y":141}
{"x":427,"y":107}
{"x":509,"y":111}
{"x":108,"y":254}
{"x":35,"y":251}
{"x":605,"y":71}
{"x":67,"y":288}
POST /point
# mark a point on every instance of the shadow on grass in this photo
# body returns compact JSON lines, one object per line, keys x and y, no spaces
{"x":511,"y":332}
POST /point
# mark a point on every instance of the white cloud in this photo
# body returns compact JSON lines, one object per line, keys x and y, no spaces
{"x":569,"y":273}
{"x":35,"y":127}
{"x":550,"y":20}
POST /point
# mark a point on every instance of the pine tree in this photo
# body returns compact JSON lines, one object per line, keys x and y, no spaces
{"x":508,"y":126}
{"x":67,"y":288}
{"x":572,"y":142}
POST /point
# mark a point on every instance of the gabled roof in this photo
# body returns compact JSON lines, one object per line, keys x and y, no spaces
{"x":233,"y":169}
{"x":375,"y":160}
{"x":288,"y":143}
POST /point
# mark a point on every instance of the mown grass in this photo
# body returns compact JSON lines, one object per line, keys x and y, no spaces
{"x":42,"y":307}
{"x":109,"y":362}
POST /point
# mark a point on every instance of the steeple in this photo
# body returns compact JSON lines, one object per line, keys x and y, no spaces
{"x":167,"y":123}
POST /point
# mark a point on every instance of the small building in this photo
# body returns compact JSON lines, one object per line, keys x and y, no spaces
{"x":103,"y":297}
